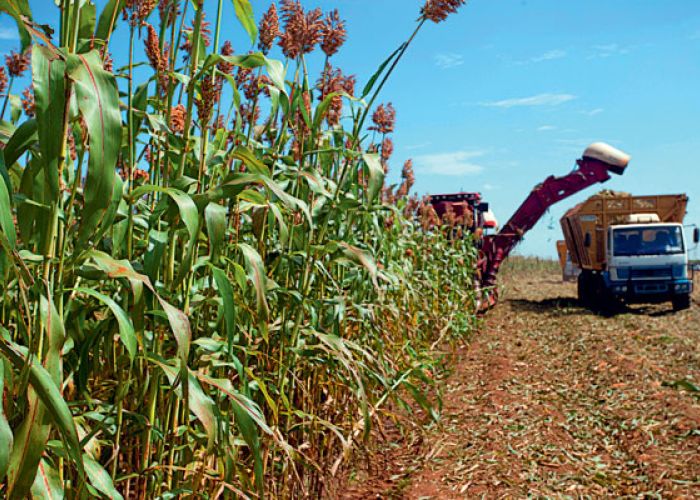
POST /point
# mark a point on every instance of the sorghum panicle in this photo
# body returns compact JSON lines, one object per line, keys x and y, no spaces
{"x":17,"y":63}
{"x":333,"y":33}
{"x":387,"y":148}
{"x":302,"y":30}
{"x":438,"y":10}
{"x":226,"y":50}
{"x":3,"y":80}
{"x":209,"y":94}
{"x":178,"y":114}
{"x":158,"y":59}
{"x":269,"y":29}
{"x":384,"y":118}
{"x":28,"y":101}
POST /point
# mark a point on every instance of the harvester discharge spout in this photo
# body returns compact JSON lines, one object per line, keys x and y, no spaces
{"x":599,"y":160}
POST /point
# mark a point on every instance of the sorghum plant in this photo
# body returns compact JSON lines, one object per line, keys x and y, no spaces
{"x":203,"y":292}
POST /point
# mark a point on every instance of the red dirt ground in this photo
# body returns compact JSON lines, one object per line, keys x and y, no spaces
{"x":551,"y":400}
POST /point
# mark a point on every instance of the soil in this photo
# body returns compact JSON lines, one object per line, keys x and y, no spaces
{"x":552,"y":400}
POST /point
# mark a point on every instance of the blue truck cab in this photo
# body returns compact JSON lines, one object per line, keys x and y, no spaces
{"x":647,"y":261}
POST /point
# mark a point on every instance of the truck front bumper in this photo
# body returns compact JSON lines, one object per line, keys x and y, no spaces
{"x":650,"y":290}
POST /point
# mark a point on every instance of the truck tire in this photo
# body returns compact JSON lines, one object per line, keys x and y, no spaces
{"x":584,"y":289}
{"x":681,"y":302}
{"x":602,"y":299}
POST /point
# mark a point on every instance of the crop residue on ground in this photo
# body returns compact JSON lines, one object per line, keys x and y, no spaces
{"x":552,"y":400}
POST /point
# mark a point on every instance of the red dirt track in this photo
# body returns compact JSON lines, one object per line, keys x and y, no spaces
{"x":552,"y":400}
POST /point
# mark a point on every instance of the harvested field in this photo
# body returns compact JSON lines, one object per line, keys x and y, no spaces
{"x":552,"y":400}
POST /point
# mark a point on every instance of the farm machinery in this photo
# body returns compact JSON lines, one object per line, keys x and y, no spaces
{"x":599,"y":160}
{"x":629,"y":249}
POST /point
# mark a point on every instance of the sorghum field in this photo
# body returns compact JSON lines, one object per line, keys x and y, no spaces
{"x":207,"y":288}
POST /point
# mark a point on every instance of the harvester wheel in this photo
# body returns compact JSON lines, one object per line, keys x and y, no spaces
{"x":681,"y":302}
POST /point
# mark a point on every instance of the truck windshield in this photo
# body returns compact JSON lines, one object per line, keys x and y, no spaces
{"x":657,"y":240}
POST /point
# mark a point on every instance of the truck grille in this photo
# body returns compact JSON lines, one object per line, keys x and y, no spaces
{"x":659,"y":272}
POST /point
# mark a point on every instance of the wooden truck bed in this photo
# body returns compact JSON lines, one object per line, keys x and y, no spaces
{"x":608,"y":208}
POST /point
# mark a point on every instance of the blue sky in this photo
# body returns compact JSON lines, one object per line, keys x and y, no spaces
{"x":507,"y":92}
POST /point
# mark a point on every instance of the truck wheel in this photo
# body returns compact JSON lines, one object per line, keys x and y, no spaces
{"x":584,"y":289}
{"x":681,"y":302}
{"x":604,"y":302}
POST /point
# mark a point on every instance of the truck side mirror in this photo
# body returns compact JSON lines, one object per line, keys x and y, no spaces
{"x":587,"y":240}
{"x":483,"y":207}
{"x":696,"y":235}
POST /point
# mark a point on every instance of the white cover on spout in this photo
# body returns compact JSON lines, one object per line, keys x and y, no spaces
{"x":490,"y":219}
{"x":607,"y":154}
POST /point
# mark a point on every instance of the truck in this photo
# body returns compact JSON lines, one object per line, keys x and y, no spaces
{"x":630,"y":249}
{"x":598,"y":162}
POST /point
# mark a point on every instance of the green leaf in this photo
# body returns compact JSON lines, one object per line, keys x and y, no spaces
{"x":111,"y":214}
{"x":100,"y":479}
{"x":375,"y":76}
{"x":6,"y":438}
{"x":22,"y":139}
{"x":126,"y":328}
{"x":361,"y":257}
{"x":48,"y":72}
{"x":225,"y":289}
{"x":47,"y":483}
{"x":248,"y":416}
{"x":420,"y":398}
{"x":256,"y":274}
{"x":7,"y":225}
{"x":17,"y":9}
{"x":200,"y":404}
{"x":244,"y":13}
{"x":157,"y":242}
{"x":108,"y":18}
{"x":277,"y":73}
{"x":252,"y":163}
{"x":180,"y":326}
{"x":98,"y":101}
{"x":29,"y":440}
{"x":46,"y":406}
{"x":684,"y":384}
{"x":215,"y":217}
{"x":88,"y":16}
{"x":178,"y":321}
{"x":376,"y":175}
{"x":187,"y":207}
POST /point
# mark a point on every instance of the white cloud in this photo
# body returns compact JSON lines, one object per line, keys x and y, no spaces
{"x":8,"y":33}
{"x":577,"y":143}
{"x":610,"y":49}
{"x":535,"y":100}
{"x":451,"y":60}
{"x":547,"y":56}
{"x":546,"y":128}
{"x":490,"y":187}
{"x":413,"y":147}
{"x":593,"y":112}
{"x":456,"y":163}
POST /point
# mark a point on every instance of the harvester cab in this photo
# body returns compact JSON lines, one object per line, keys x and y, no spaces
{"x":466,"y":210}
